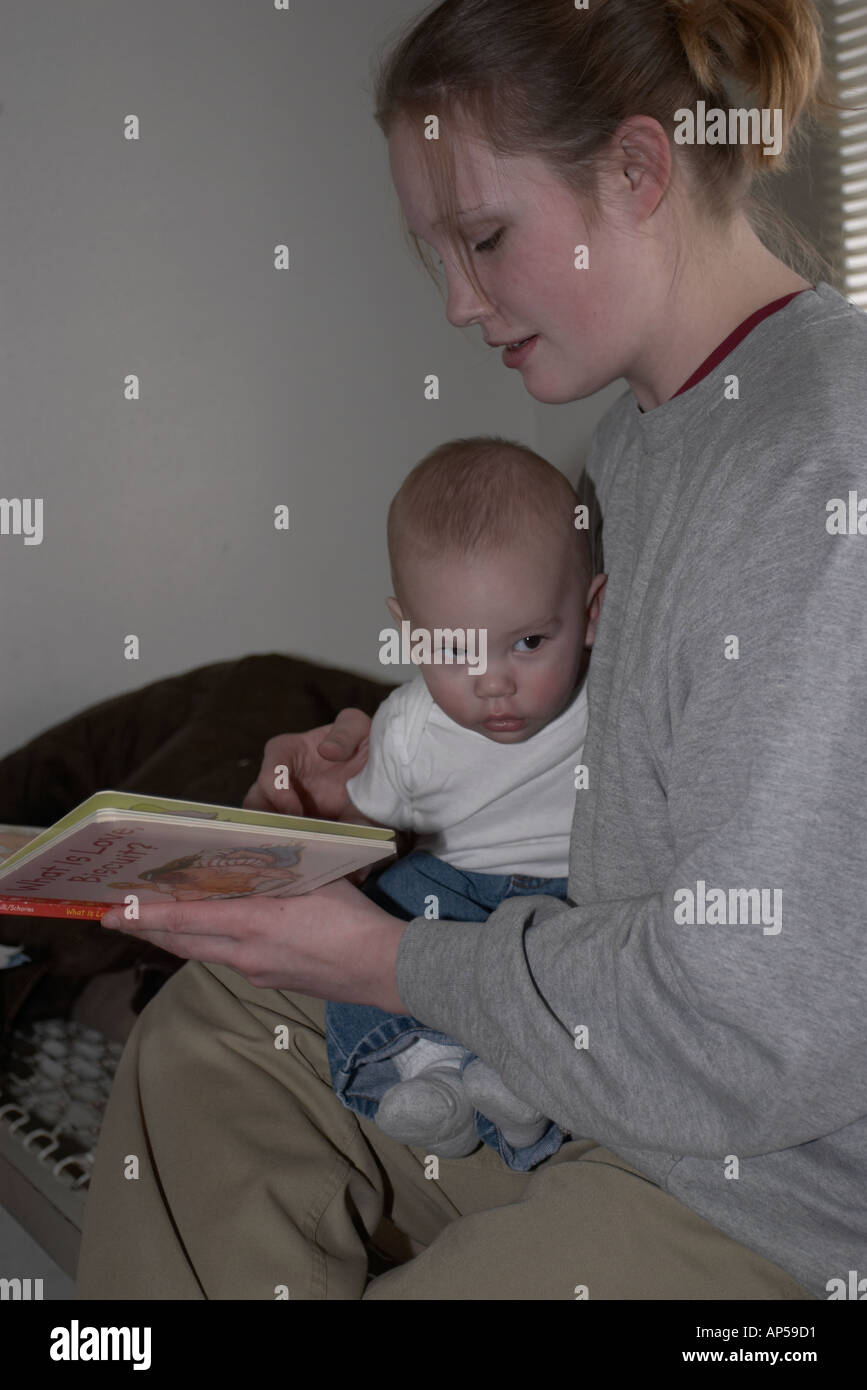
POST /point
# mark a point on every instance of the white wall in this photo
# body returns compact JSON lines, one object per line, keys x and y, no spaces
{"x":258,"y":387}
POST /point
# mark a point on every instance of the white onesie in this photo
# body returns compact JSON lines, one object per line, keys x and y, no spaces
{"x":479,"y":805}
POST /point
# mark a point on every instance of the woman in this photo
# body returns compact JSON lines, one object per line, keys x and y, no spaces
{"x":696,"y":1019}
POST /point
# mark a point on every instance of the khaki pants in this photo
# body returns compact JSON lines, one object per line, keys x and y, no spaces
{"x":227,"y":1169}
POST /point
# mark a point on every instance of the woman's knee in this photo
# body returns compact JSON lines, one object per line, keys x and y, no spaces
{"x":202,"y":1002}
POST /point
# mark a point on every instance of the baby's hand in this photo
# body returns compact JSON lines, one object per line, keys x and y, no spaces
{"x":320,"y":762}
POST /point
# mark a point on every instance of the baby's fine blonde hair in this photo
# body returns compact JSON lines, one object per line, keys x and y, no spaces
{"x":478,"y":496}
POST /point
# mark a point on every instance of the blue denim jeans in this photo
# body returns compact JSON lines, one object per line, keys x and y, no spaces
{"x":362,"y":1039}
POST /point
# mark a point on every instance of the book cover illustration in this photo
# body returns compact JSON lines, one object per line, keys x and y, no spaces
{"x":237,"y":872}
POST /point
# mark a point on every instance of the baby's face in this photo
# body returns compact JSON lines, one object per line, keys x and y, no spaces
{"x":532,"y":602}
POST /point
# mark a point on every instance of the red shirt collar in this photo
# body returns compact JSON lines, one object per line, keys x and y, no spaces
{"x":720,"y":353}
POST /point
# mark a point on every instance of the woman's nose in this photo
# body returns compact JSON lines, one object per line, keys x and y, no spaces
{"x":464,"y":304}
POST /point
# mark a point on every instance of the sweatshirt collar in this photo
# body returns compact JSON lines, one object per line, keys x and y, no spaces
{"x":657,"y":428}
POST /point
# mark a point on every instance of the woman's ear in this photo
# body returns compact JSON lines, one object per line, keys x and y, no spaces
{"x":394,"y":609}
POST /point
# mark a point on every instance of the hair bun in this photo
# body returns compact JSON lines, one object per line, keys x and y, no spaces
{"x":770,"y":49}
{"x":697,"y":22}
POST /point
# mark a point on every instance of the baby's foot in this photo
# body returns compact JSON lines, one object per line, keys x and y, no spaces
{"x":432,"y":1111}
{"x":519,"y":1123}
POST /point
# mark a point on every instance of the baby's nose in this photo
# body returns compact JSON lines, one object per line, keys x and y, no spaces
{"x":495,"y":682}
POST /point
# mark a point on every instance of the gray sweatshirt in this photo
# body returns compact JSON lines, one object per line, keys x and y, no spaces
{"x":726,"y":1043}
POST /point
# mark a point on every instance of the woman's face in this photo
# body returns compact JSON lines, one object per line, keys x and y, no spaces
{"x":521,"y":228}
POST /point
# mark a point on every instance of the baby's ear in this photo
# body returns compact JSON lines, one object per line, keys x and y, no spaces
{"x":394,"y":609}
{"x":593,"y":609}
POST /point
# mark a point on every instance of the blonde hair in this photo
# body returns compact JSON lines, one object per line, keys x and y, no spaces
{"x":540,"y":77}
{"x":478,"y":496}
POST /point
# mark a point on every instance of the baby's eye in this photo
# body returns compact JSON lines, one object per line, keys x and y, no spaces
{"x":537,"y":639}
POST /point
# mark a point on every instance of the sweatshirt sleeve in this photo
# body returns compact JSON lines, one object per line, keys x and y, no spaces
{"x":703,"y":1039}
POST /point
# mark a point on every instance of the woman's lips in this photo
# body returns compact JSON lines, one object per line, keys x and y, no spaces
{"x":514,"y":357}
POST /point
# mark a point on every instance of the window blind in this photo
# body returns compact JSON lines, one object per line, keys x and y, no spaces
{"x":846,"y":30}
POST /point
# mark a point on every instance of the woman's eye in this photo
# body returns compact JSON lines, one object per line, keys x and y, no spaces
{"x":537,"y":638}
{"x":491,"y":243}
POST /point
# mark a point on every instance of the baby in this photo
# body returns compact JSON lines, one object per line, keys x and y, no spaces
{"x":477,"y":756}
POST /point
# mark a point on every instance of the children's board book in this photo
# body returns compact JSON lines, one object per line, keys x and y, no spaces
{"x":117,"y":845}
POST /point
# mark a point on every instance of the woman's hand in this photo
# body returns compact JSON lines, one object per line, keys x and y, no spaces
{"x":333,"y":943}
{"x":320,"y":763}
